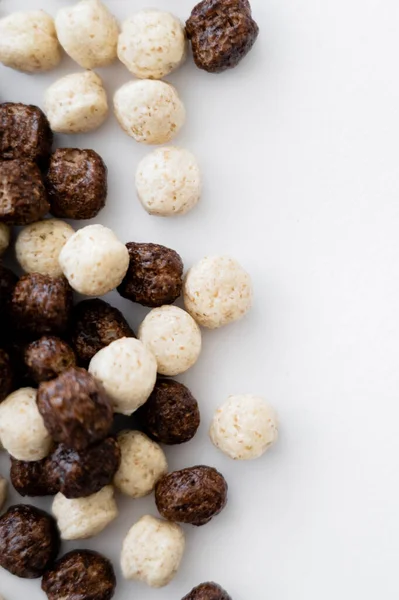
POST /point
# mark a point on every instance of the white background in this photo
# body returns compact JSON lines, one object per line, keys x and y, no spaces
{"x":299,"y":152}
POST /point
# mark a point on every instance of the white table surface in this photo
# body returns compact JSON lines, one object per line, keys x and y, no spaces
{"x":299,"y":152}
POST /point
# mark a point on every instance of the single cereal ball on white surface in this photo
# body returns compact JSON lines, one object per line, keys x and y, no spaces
{"x":152,"y":551}
{"x":173,"y":337}
{"x":150,"y":111}
{"x":38,"y":246}
{"x":28,"y":42}
{"x":143,"y":462}
{"x":76,"y":103}
{"x":88,"y":32}
{"x":152,"y":44}
{"x":82,"y":518}
{"x":94,"y":261}
{"x":3,"y":491}
{"x":168,"y":182}
{"x":127,"y":370}
{"x":217,"y":291}
{"x":4,"y":237}
{"x":244,"y":427}
{"x":22,"y":429}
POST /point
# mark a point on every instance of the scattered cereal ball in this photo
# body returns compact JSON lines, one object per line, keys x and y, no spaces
{"x":142,"y":464}
{"x":88,"y":33}
{"x":47,"y":357}
{"x":173,"y":337}
{"x":152,"y":551}
{"x":94,"y":261}
{"x":76,"y":103}
{"x":244,"y":427}
{"x":82,"y":518}
{"x":149,"y":111}
{"x":28,"y":42}
{"x":22,"y":430}
{"x":207,"y":591}
{"x":33,"y":478}
{"x":217,"y":291}
{"x":38,"y":246}
{"x":3,"y":491}
{"x":4,"y":238}
{"x":152,"y":44}
{"x":6,"y":375}
{"x":23,"y":196}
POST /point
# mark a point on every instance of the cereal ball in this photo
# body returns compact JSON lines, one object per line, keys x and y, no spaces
{"x":75,"y":409}
{"x":152,"y":44}
{"x":149,"y":111}
{"x":29,"y":541}
{"x":94,"y":261}
{"x":193,"y":495}
{"x":33,"y":478}
{"x":127,"y":371}
{"x":22,"y":431}
{"x":8,"y":281}
{"x":3,"y":491}
{"x":23,"y":199}
{"x":38,"y":246}
{"x":173,"y":337}
{"x":152,"y":551}
{"x":95,"y":324}
{"x":222,"y":32}
{"x":82,"y":518}
{"x":88,"y":33}
{"x":217,"y":291}
{"x":5,"y":235}
{"x":143,"y":463}
{"x":93,"y":577}
{"x":76,"y":183}
{"x":207,"y":591}
{"x":6,"y":375}
{"x":28,"y":42}
{"x":47,"y":357}
{"x":76,"y":103}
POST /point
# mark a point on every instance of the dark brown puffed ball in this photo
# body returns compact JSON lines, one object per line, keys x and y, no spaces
{"x":222,"y":32}
{"x":33,"y":478}
{"x":29,"y":541}
{"x":76,"y":183}
{"x":47,"y":357}
{"x":23,"y":197}
{"x":154,"y":276}
{"x":207,"y":591}
{"x":8,"y":281}
{"x":6,"y":375}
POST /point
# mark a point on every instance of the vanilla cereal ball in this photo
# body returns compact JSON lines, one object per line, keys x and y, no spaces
{"x":152,"y":44}
{"x":28,"y":42}
{"x":94,"y":261}
{"x":173,"y":337}
{"x":3,"y":492}
{"x":152,"y":551}
{"x":143,"y":462}
{"x":244,"y":427}
{"x":4,"y":238}
{"x":149,"y":111}
{"x":88,"y":32}
{"x":76,"y":103}
{"x":82,"y":518}
{"x":22,"y":429}
{"x":38,"y":246}
{"x":168,"y":182}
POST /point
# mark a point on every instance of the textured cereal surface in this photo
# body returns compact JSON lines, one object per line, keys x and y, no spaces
{"x":4,"y":237}
{"x":207,"y":591}
{"x":3,"y":491}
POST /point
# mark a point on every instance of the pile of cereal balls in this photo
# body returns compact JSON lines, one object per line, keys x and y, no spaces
{"x":68,"y":367}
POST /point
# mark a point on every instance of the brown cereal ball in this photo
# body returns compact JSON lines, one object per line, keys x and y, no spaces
{"x":6,"y":375}
{"x":29,"y":541}
{"x":75,"y":409}
{"x":80,"y":575}
{"x":154,"y":276}
{"x":34,"y":478}
{"x":8,"y":281}
{"x":222,"y":32}
{"x":194,"y":495}
{"x":47,"y":357}
{"x":76,"y":183}
{"x":207,"y":591}
{"x":23,"y":198}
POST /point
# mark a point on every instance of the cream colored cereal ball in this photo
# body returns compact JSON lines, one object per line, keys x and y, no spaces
{"x":244,"y":427}
{"x":217,"y":291}
{"x":128,"y":371}
{"x":3,"y":491}
{"x":76,"y":103}
{"x":88,"y":32}
{"x":82,"y":518}
{"x":173,"y":337}
{"x":38,"y":246}
{"x":5,"y":236}
{"x":149,"y":111}
{"x":22,"y":429}
{"x":143,"y":462}
{"x":94,"y":261}
{"x":152,"y":551}
{"x":152,"y":44}
{"x":28,"y":42}
{"x":168,"y":182}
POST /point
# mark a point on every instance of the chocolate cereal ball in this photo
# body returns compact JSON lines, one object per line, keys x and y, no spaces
{"x":47,"y":357}
{"x":29,"y":541}
{"x":80,"y":575}
{"x":76,"y":183}
{"x":33,"y":478}
{"x":207,"y":591}
{"x":23,"y":199}
{"x":6,"y":375}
